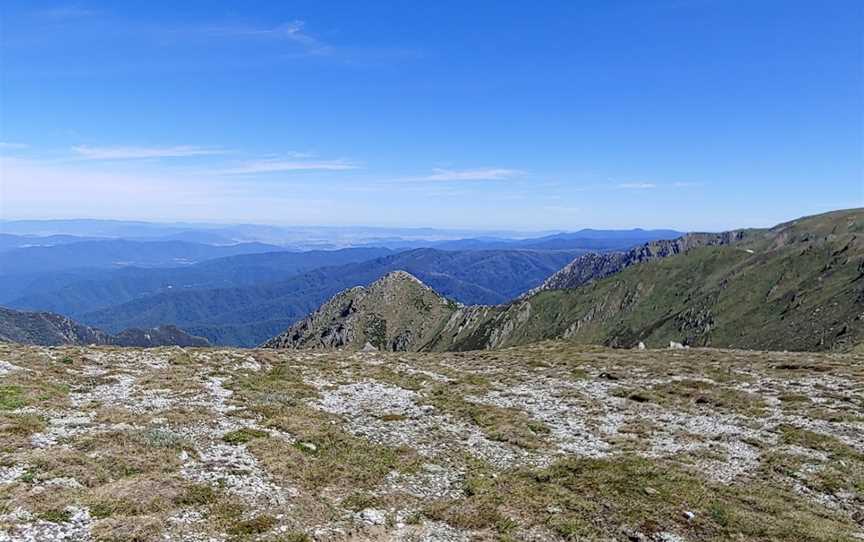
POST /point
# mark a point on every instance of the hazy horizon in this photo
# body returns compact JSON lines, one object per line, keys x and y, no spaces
{"x":212,"y":224}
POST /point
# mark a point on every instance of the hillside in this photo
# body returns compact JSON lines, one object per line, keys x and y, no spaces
{"x":549,"y":442}
{"x":249,"y":315}
{"x":47,"y":329}
{"x":797,"y":286}
{"x":597,"y":265}
{"x":396,"y":312}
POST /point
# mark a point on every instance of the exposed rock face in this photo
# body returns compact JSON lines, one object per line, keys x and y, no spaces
{"x":595,"y":266}
{"x":49,"y":329}
{"x":396,"y":313}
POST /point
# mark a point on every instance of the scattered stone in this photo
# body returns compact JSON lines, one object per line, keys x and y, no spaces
{"x":11,"y":474}
{"x":6,"y":367}
{"x":576,"y":416}
{"x":373,"y":517}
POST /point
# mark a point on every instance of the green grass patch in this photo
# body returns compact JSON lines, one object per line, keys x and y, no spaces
{"x":244,"y":435}
{"x":257,"y":525}
{"x":360,"y":500}
{"x":692,"y":394}
{"x":55,"y":515}
{"x":335,"y":458}
{"x":586,"y":499}
{"x":790,"y":434}
{"x":498,"y":423}
{"x":11,"y":397}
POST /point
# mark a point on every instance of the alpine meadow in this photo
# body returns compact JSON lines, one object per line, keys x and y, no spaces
{"x":445,"y":272}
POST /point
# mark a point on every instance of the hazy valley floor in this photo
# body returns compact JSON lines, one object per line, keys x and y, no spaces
{"x":545,"y":442}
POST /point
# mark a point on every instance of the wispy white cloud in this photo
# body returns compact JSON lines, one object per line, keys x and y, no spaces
{"x":65,"y":12}
{"x":291,"y":31}
{"x":132,"y":153}
{"x":651,"y":185}
{"x":12,"y":145}
{"x":637,"y":186}
{"x":485,"y":174}
{"x":295,"y":163}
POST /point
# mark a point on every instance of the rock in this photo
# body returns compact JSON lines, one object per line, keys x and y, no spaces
{"x":368,"y":348}
{"x":675,"y":346}
{"x":689,"y":515}
{"x":641,"y":345}
{"x":373,"y":516}
{"x":309,"y":446}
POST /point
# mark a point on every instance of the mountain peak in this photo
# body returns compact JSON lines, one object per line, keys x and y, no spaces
{"x":396,"y":312}
{"x":398,"y":276}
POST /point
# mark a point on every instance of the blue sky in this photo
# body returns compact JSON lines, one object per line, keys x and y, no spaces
{"x":693,"y":114}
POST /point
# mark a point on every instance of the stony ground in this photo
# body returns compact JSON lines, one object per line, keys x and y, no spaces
{"x":548,"y":442}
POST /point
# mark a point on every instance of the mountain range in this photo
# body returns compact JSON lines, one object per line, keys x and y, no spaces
{"x":315,"y":237}
{"x":248,"y":315}
{"x":796,"y":286}
{"x":77,"y":294}
{"x":117,"y":253}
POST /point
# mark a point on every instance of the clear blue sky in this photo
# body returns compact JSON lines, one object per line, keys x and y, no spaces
{"x":693,"y":114}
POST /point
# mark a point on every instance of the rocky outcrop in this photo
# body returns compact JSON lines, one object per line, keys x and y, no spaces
{"x":49,"y":329}
{"x":593,"y":266}
{"x":395,"y":313}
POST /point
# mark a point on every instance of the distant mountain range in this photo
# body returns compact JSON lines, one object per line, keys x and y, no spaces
{"x":249,"y":315}
{"x":600,"y":240}
{"x":797,"y":286}
{"x":76,"y":294}
{"x":116,"y":253}
{"x":316,"y":237}
{"x":9,"y":242}
{"x":243,"y":293}
{"x":48,"y":329}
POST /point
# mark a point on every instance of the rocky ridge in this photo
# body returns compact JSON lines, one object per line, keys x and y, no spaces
{"x":49,"y":329}
{"x":597,"y":265}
